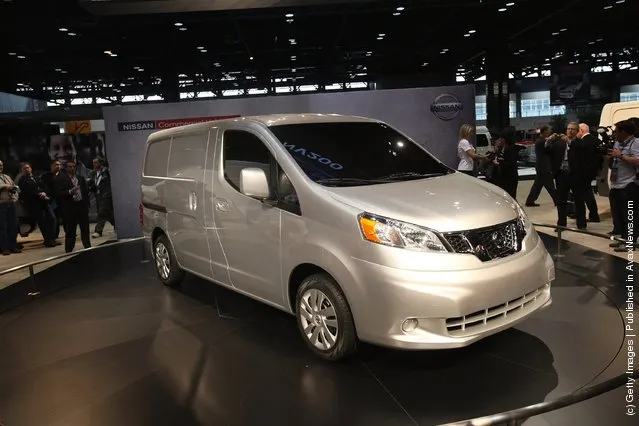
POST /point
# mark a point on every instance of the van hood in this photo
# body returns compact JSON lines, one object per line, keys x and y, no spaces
{"x":454,"y":202}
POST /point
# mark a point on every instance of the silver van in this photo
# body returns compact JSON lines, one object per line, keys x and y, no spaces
{"x":347,"y":224}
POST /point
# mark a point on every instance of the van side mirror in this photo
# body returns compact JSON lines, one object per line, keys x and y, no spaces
{"x":254,"y":184}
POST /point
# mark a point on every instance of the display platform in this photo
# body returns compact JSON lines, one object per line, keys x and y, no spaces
{"x":115,"y":347}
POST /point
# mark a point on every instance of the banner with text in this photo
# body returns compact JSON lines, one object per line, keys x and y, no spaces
{"x":430,"y":116}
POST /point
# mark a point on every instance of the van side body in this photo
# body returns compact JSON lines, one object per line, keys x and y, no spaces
{"x":214,"y":207}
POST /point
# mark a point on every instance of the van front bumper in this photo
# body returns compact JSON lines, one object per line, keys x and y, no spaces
{"x":449,"y":309}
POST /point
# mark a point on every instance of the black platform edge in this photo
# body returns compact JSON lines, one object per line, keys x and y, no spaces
{"x":37,"y":286}
{"x":24,"y":292}
{"x":520,"y":415}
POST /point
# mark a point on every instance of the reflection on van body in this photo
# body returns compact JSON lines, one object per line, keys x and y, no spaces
{"x":345,"y":223}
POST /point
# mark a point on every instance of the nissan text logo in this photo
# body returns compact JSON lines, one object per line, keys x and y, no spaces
{"x":446,"y":107}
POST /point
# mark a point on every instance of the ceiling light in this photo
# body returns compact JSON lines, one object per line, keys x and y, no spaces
{"x":140,"y":69}
{"x":289,"y":15}
{"x":503,"y":9}
{"x":424,"y":64}
{"x":289,"y":20}
{"x":591,"y":42}
{"x":21,"y":57}
{"x":396,"y":14}
{"x":510,"y":4}
{"x":620,"y":1}
{"x":200,"y":47}
{"x":564,"y":29}
{"x":108,"y":52}
{"x":466,"y":35}
{"x":381,"y":35}
{"x":12,"y":53}
{"x":251,"y":58}
{"x":472,"y":31}
{"x":607,"y":7}
{"x":58,"y":70}
{"x":380,"y":38}
{"x":400,"y":8}
{"x":203,"y":50}
{"x":72,"y":34}
{"x":113,"y":55}
{"x":178,"y":24}
{"x":217,"y":64}
{"x":63,"y":29}
{"x":369,"y":53}
{"x":182,"y":28}
{"x":294,"y":70}
{"x":555,"y":33}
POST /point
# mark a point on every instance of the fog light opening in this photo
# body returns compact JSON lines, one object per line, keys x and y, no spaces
{"x":409,"y":325}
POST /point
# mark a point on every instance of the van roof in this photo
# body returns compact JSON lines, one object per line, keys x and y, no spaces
{"x":266,"y":120}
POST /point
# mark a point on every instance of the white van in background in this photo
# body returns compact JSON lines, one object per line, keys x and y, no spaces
{"x":484,"y":140}
{"x":610,"y":114}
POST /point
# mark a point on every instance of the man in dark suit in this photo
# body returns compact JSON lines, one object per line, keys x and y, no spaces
{"x":544,"y":177}
{"x":36,"y":201}
{"x":575,"y":175}
{"x":100,"y":184}
{"x":592,"y":162}
{"x":73,"y":196}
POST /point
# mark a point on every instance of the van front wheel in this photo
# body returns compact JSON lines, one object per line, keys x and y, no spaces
{"x":165,"y":262}
{"x":324,"y":318}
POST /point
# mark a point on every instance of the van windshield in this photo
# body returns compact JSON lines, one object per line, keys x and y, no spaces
{"x":356,"y":153}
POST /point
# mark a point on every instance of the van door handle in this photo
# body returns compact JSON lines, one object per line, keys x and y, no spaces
{"x":192,"y":201}
{"x":222,"y":205}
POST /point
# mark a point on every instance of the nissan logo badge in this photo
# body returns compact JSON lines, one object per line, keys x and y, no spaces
{"x":446,"y":107}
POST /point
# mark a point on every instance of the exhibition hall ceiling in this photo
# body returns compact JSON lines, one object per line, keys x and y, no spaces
{"x":129,"y":46}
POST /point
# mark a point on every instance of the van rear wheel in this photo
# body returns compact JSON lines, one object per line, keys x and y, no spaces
{"x":165,"y":262}
{"x":324,"y":318}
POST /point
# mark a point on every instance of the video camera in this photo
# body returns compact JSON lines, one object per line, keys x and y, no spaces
{"x":606,"y":139}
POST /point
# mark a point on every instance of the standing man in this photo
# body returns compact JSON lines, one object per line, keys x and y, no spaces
{"x":8,"y":219}
{"x":36,"y":202}
{"x":591,"y":166}
{"x":73,"y":196}
{"x":624,"y":180}
{"x":100,"y":184}
{"x":544,"y":177}
{"x":48,"y":179}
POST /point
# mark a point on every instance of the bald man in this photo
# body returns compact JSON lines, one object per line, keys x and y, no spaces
{"x":593,"y":163}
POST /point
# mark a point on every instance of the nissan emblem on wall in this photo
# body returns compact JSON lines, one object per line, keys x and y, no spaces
{"x":446,"y":107}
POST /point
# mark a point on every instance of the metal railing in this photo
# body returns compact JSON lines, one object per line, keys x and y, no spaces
{"x":562,"y":229}
{"x":520,"y":415}
{"x":108,"y":243}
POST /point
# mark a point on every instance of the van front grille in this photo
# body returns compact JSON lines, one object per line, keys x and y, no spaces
{"x":489,"y":243}
{"x":495,"y":316}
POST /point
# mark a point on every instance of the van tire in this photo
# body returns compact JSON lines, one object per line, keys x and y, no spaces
{"x":346,"y":340}
{"x":163,"y":255}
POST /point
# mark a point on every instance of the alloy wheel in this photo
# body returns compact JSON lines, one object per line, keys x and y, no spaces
{"x":319,"y":319}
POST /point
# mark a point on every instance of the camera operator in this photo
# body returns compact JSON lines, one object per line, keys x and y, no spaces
{"x":9,"y":193}
{"x":623,"y":181}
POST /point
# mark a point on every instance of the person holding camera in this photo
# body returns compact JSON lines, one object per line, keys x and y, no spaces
{"x":9,"y":193}
{"x":624,"y":181}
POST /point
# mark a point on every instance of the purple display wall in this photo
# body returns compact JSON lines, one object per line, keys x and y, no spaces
{"x":430,"y":116}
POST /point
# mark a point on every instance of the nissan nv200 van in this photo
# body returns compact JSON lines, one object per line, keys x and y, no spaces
{"x":345,"y":223}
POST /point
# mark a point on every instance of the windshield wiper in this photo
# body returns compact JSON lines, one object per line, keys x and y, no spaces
{"x":411,"y":175}
{"x":350,"y":181}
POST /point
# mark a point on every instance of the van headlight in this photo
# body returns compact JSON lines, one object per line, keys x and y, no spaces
{"x":523,"y":218}
{"x":395,"y":233}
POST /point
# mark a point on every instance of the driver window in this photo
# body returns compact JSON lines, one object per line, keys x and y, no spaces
{"x":243,"y":149}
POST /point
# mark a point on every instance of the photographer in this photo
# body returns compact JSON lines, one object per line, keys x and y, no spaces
{"x":9,"y":192}
{"x":623,"y":179}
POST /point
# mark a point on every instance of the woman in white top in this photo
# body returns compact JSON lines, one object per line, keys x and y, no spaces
{"x":465,"y":150}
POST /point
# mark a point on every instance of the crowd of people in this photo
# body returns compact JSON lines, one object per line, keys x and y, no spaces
{"x":566,"y":166}
{"x":58,"y":199}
